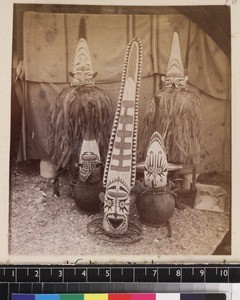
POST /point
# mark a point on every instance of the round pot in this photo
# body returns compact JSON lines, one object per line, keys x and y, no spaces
{"x":87,"y":198}
{"x":155,"y":208}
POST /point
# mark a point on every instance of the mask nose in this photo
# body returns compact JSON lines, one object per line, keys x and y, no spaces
{"x":154,"y":181}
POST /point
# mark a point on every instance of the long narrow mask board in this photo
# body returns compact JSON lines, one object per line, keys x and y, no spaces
{"x":120,"y":168}
{"x":127,"y":296}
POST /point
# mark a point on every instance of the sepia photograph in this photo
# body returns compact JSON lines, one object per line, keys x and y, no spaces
{"x":120,"y":131}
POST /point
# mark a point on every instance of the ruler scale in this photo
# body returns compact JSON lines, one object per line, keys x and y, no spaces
{"x":53,"y":279}
{"x":120,"y":273}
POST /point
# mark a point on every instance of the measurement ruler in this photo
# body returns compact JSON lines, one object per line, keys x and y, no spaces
{"x":90,"y":278}
{"x":120,"y":273}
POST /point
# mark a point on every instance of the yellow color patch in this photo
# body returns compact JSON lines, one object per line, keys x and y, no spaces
{"x":96,"y":297}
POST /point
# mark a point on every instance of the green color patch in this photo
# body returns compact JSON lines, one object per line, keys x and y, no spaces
{"x":72,"y":297}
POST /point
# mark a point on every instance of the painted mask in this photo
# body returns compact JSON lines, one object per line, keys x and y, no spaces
{"x":120,"y":169}
{"x":175,"y":71}
{"x":90,"y":168}
{"x":82,"y":70}
{"x":156,"y":166}
{"x":175,"y":81}
{"x":116,"y":207}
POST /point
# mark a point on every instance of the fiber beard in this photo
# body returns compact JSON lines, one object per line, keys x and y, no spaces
{"x":69,"y":118}
{"x":175,"y":113}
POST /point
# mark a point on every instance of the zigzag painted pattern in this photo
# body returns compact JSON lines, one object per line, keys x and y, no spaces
{"x":118,"y":113}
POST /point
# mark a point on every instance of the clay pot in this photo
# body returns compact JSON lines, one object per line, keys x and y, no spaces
{"x":86,"y":198}
{"x":155,"y":207}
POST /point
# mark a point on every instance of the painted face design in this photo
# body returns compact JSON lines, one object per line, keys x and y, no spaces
{"x":116,"y":207}
{"x":90,"y":167}
{"x":82,"y":70}
{"x":120,"y":168}
{"x":175,"y":70}
{"x":155,"y":173}
{"x":83,"y":76}
{"x":175,"y":81}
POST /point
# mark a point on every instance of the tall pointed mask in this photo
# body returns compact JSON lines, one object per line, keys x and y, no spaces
{"x":120,"y":169}
{"x":175,"y":71}
{"x":82,"y":69}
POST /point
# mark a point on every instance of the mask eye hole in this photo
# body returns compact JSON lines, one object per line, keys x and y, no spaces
{"x":122,"y":206}
{"x":84,"y":166}
{"x":108,"y":203}
{"x":95,"y":166}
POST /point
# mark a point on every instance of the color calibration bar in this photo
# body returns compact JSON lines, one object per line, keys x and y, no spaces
{"x":159,"y":296}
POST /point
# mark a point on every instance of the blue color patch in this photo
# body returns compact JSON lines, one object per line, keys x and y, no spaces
{"x":47,"y":297}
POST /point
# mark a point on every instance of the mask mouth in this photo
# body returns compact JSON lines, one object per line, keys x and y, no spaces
{"x":116,"y":221}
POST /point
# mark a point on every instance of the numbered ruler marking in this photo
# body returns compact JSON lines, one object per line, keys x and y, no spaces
{"x":99,"y":275}
{"x":194,"y":275}
{"x":75,"y":275}
{"x":106,"y":274}
{"x":146,"y":275}
{"x":217,"y":275}
{"x":28,"y":275}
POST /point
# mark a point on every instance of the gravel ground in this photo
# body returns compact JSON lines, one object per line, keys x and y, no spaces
{"x":41,"y":224}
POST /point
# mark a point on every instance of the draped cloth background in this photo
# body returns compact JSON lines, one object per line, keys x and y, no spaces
{"x":49,"y":42}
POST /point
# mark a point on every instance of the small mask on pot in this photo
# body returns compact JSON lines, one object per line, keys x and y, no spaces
{"x":90,"y":168}
{"x":155,"y":173}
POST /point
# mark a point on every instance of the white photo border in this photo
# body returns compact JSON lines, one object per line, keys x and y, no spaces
{"x":6,"y":25}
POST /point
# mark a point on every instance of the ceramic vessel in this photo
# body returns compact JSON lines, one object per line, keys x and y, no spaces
{"x":155,"y":207}
{"x":86,"y":198}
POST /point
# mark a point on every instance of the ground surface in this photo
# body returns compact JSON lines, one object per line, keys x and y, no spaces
{"x":41,"y":224}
